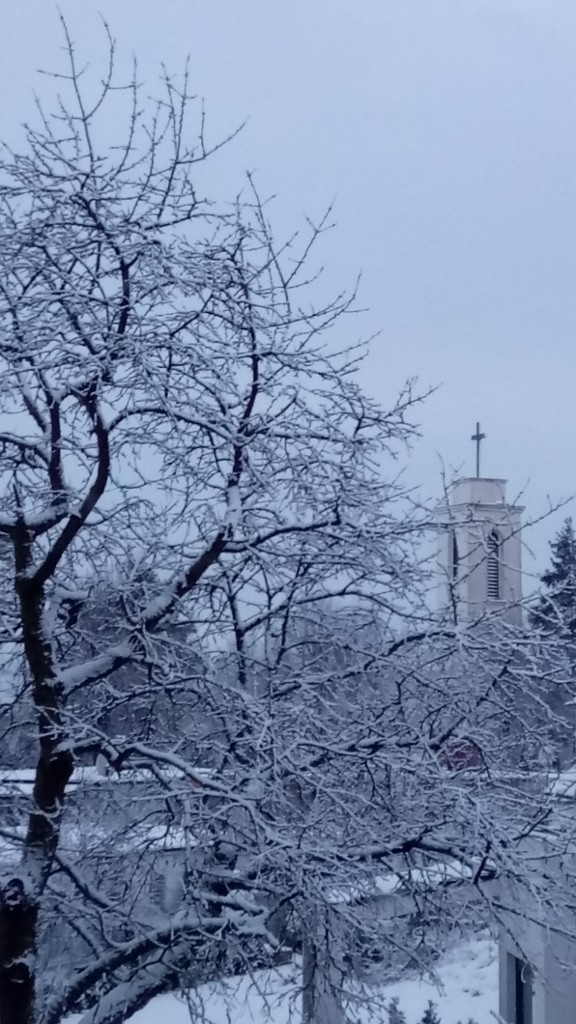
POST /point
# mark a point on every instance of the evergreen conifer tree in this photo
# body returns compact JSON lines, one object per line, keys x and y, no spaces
{"x":555,"y":610}
{"x":431,"y":1015}
{"x":395,"y":1014}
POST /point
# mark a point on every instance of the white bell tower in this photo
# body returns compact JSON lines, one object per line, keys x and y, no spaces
{"x":480,"y":556}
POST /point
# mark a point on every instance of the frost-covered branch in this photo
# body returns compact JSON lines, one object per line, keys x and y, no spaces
{"x":233,"y":719}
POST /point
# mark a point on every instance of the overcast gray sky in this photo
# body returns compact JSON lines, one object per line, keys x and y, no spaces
{"x":445,"y":133}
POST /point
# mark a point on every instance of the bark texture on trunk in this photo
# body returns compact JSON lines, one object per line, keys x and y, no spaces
{"x":21,"y":888}
{"x":321,"y":986}
{"x":18,"y":921}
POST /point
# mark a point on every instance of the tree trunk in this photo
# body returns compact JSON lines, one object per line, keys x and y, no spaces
{"x":21,"y":893}
{"x":18,"y":920}
{"x":321,"y":986}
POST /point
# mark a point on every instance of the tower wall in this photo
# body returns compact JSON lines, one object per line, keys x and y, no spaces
{"x":480,"y":551}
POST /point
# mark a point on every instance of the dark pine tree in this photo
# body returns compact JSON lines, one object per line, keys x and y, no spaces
{"x":555,"y":610}
{"x":395,"y":1014}
{"x":430,"y":1015}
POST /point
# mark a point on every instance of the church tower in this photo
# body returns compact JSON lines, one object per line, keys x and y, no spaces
{"x":480,"y":556}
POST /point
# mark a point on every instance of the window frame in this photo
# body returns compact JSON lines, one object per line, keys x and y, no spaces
{"x":493,"y":566}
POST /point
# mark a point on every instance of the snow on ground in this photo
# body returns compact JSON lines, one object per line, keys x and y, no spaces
{"x":469,"y":988}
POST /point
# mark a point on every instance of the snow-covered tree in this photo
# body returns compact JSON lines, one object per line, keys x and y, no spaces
{"x":210,"y":592}
{"x":553,"y":614}
{"x":395,"y":1014}
{"x":430,"y":1015}
{"x":555,"y":610}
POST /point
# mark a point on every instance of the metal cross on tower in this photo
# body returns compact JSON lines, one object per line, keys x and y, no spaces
{"x":478,"y":438}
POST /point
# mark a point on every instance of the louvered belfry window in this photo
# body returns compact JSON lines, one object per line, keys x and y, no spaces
{"x":455,"y":557}
{"x":493,"y":565}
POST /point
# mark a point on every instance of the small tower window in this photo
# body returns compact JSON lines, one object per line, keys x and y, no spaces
{"x":493,"y":566}
{"x":454,"y":557}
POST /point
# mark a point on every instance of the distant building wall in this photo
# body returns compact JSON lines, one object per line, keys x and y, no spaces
{"x":547,"y":961}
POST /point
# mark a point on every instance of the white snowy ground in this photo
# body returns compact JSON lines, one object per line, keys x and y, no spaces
{"x":469,"y":980}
